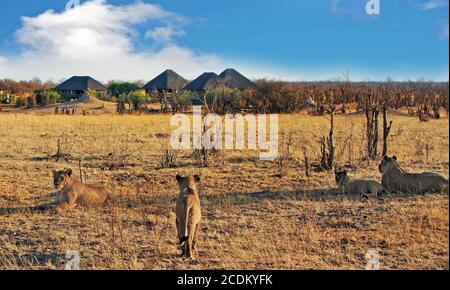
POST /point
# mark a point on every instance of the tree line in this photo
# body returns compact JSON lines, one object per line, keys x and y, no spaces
{"x":420,"y":98}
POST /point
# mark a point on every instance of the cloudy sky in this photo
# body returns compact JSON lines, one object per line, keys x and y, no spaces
{"x":283,"y":39}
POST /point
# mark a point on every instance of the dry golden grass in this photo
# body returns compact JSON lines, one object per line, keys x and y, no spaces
{"x":252,"y":218}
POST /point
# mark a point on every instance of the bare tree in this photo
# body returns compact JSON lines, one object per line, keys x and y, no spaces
{"x":327,"y":143}
{"x":372,"y":112}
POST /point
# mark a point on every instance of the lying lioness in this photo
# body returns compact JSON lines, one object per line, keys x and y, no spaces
{"x":359,"y":186}
{"x":395,"y":179}
{"x":188,"y":214}
{"x":70,"y":192}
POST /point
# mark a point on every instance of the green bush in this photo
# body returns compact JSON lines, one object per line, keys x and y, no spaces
{"x":115,"y":89}
{"x":47,"y":97}
{"x":21,"y":102}
{"x":183,"y":100}
{"x":120,"y":101}
{"x":31,"y":101}
{"x":138,"y":100}
{"x":92,"y":94}
{"x":64,"y":98}
{"x":225,"y":100}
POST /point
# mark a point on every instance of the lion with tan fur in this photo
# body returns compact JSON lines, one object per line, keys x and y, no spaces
{"x":395,"y":179}
{"x":71,"y":193}
{"x":188,"y":214}
{"x":347,"y":185}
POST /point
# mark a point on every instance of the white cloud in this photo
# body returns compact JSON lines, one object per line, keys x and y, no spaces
{"x":434,"y":4}
{"x":97,"y":39}
{"x":164,"y":34}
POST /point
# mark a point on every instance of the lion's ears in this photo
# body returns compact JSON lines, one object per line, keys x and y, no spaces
{"x":68,"y":172}
{"x":386,"y":158}
{"x":179,"y":178}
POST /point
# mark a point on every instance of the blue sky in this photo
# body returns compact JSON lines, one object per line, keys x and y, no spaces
{"x":283,"y":39}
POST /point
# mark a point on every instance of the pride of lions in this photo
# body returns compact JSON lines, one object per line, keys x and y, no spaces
{"x":71,"y":193}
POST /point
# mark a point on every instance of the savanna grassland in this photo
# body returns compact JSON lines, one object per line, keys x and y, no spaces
{"x":256,"y":214}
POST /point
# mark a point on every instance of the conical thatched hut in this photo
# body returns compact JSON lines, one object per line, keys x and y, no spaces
{"x":233,"y":79}
{"x":168,"y":81}
{"x":204,"y":82}
{"x":77,"y":86}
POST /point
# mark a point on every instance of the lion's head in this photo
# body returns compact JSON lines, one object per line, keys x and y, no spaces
{"x":388,"y":163}
{"x":340,"y":176}
{"x":188,"y":184}
{"x":61,"y":178}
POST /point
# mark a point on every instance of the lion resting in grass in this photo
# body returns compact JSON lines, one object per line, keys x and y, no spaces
{"x":395,"y":179}
{"x":359,"y":186}
{"x":70,"y":192}
{"x":188,"y":214}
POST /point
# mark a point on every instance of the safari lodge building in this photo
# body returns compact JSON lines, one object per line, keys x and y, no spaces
{"x":77,"y":87}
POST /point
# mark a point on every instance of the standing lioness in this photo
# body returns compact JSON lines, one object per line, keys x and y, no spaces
{"x":395,"y":179}
{"x":188,"y":214}
{"x":70,"y":192}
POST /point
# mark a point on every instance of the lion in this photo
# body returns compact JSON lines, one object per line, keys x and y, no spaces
{"x":346,"y":185}
{"x":70,"y":192}
{"x":188,"y":214}
{"x":395,"y":179}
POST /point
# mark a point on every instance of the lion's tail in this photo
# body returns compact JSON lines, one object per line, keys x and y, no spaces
{"x":43,"y":207}
{"x":21,"y":210}
{"x":184,"y":230}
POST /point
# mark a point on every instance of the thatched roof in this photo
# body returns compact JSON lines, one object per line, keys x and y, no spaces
{"x":166,"y":81}
{"x":78,"y":83}
{"x":206,"y":81}
{"x":233,"y":79}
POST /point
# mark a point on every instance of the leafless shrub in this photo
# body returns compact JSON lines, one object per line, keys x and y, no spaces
{"x":372,"y":111}
{"x":64,"y":148}
{"x":423,"y":115}
{"x":169,"y":159}
{"x":423,"y":149}
{"x":285,"y":145}
{"x":386,"y":131}
{"x":201,"y":156}
{"x":306,"y":161}
{"x":119,"y":157}
{"x":327,"y":146}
